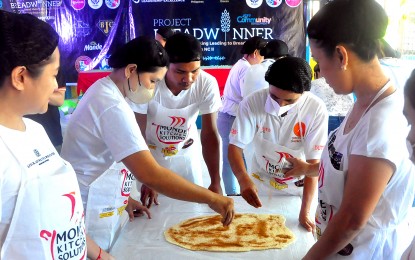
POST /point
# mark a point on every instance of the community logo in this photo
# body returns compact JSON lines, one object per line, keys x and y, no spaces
{"x":83,"y":63}
{"x":112,"y":4}
{"x":105,"y":26}
{"x":95,"y":4}
{"x":78,"y":4}
{"x":254,"y":3}
{"x":274,"y":3}
{"x":246,"y":18}
{"x":293,"y":3}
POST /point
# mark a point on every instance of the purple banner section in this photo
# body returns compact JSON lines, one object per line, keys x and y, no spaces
{"x":91,"y":30}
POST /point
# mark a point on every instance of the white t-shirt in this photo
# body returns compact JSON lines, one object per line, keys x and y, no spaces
{"x":11,"y":170}
{"x":102,"y":129}
{"x":232,"y":92}
{"x":337,"y":105}
{"x":255,"y":78}
{"x":204,"y":91}
{"x":256,"y":113}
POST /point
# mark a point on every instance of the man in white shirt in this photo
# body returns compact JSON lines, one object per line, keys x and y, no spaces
{"x":284,"y":121}
{"x":255,"y":76}
{"x":169,"y":119}
{"x":231,"y":98}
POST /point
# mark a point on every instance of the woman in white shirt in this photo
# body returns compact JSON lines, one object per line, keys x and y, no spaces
{"x":105,"y":145}
{"x":40,"y":199}
{"x":366,"y":185}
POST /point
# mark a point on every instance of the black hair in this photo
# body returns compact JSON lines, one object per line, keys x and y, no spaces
{"x":147,"y":53}
{"x":183,"y":48}
{"x":252,"y":44}
{"x":290,"y":73}
{"x":409,"y":89}
{"x":25,"y":41}
{"x":359,"y":24}
{"x":316,"y":68}
{"x":165,"y":32}
{"x":274,"y":49}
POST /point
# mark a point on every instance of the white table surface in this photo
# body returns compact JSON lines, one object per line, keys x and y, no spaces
{"x":144,"y":239}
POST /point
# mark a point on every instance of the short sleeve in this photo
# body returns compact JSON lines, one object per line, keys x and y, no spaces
{"x":244,"y":127}
{"x":211,"y":97}
{"x":120,"y":132}
{"x":137,"y":108}
{"x":316,"y":136}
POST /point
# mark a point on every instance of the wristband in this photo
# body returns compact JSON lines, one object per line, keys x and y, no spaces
{"x":99,"y":255}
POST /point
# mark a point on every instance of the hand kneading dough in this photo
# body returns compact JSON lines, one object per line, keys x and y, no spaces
{"x":247,"y":232}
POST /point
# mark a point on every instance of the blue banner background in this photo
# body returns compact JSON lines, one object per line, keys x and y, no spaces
{"x":90,"y":30}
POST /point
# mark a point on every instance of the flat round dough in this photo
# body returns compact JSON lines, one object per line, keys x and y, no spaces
{"x":246,"y":232}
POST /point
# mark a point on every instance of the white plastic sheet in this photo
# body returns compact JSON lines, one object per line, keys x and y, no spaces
{"x":144,"y":239}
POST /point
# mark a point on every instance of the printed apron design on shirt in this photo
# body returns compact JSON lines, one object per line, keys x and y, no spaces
{"x":332,"y":174}
{"x":269,"y":165}
{"x":173,"y":139}
{"x":48,"y":220}
{"x":107,"y":200}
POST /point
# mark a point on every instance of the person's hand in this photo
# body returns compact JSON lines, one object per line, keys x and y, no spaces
{"x":148,"y":196}
{"x":250,"y":192}
{"x":299,"y":168}
{"x":306,"y":221}
{"x":216,"y":188}
{"x":224,"y":206}
{"x":136,"y":209}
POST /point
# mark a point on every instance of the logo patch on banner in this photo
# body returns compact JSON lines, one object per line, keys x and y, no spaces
{"x":254,"y":3}
{"x":105,"y":26}
{"x":293,"y":3}
{"x":83,"y":63}
{"x":95,"y":4}
{"x":112,"y":4}
{"x":82,"y":29}
{"x":274,"y":3}
{"x":93,"y":46}
{"x":78,"y":4}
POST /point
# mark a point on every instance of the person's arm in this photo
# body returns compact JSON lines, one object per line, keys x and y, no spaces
{"x":248,"y":189}
{"x":149,"y":172}
{"x":209,"y":138}
{"x":310,"y":187}
{"x":58,"y":97}
{"x":300,"y":168}
{"x":142,"y":123}
{"x":148,"y":196}
{"x":366,"y":180}
{"x":95,"y":252}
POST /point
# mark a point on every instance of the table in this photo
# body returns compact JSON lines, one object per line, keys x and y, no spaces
{"x":144,"y":239}
{"x":87,"y":78}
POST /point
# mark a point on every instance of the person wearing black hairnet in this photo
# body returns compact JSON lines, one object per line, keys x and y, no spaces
{"x":283,"y":121}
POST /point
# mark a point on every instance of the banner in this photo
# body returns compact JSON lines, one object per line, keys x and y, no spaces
{"x":91,"y":30}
